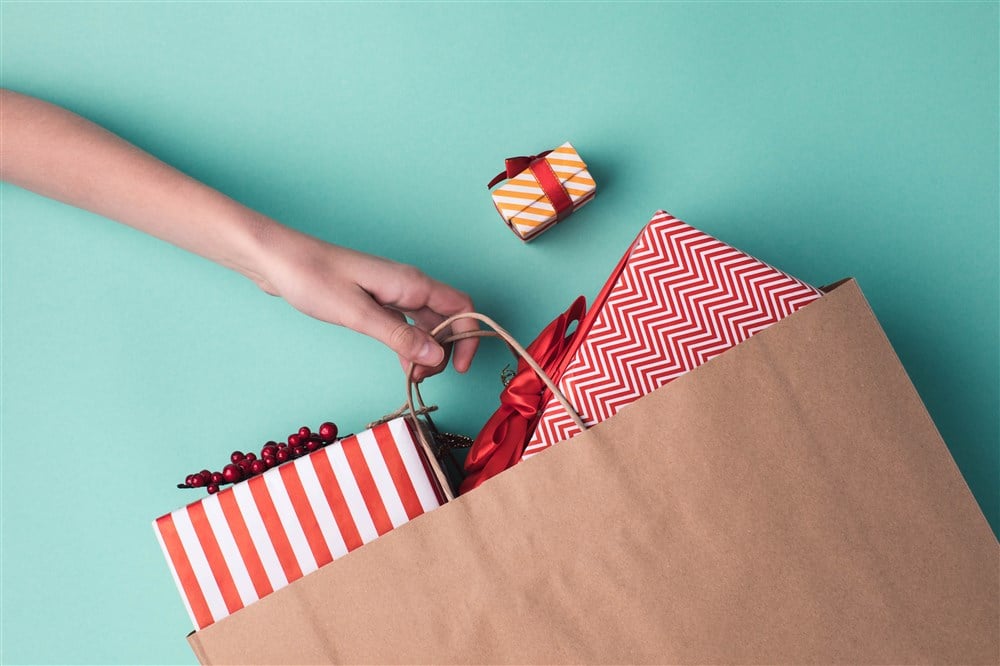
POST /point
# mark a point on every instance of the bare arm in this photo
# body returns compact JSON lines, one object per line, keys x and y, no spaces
{"x":61,"y":155}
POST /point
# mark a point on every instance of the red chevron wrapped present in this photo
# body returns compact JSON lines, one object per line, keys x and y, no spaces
{"x":677,"y":299}
{"x":234,"y":547}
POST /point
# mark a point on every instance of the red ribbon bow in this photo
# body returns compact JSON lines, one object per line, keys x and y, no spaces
{"x":501,"y":442}
{"x":546,"y":177}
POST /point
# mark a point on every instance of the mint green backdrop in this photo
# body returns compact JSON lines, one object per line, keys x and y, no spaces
{"x":830,"y":140}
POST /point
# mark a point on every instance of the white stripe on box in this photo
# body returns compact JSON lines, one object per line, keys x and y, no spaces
{"x":290,"y":521}
{"x":565,"y":152}
{"x":526,"y":231}
{"x":202,"y":571}
{"x":173,"y":572}
{"x":352,"y":494}
{"x":576,"y":180}
{"x":526,"y":189}
{"x":539,"y":203}
{"x":317,"y":500}
{"x":383,"y":479}
{"x":414,"y":465}
{"x":563,"y":169}
{"x":531,"y":216}
{"x":258,"y":534}
{"x":230,"y":551}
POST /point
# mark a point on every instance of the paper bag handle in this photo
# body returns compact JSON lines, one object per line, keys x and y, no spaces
{"x":497,"y":332}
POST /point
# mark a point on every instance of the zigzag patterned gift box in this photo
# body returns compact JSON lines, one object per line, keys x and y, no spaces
{"x":542,"y":190}
{"x":677,"y":299}
{"x":237,"y":546}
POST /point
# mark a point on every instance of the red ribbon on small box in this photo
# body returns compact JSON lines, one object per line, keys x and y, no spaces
{"x":547,"y":178}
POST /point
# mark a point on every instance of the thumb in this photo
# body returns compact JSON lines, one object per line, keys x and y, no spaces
{"x":409,"y":342}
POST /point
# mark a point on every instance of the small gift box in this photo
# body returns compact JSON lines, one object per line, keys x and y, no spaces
{"x":542,"y":190}
{"x":677,"y":299}
{"x":239,"y":545}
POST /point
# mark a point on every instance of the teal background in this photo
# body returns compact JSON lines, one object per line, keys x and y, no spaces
{"x":830,"y":140}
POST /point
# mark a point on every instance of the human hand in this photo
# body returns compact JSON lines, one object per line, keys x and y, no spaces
{"x":58,"y":154}
{"x":368,"y":294}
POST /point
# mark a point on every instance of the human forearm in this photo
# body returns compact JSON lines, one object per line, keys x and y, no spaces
{"x":61,"y":155}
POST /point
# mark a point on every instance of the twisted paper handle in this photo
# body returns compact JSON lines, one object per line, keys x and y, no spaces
{"x":497,"y":332}
{"x":422,"y":410}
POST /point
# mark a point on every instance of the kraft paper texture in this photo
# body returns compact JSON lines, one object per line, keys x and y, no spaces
{"x":788,"y":501}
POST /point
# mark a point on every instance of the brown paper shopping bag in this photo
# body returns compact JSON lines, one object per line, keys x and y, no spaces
{"x":788,"y":501}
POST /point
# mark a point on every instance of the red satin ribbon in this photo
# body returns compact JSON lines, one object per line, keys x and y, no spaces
{"x":501,"y":442}
{"x":515,"y":165}
{"x":546,"y":177}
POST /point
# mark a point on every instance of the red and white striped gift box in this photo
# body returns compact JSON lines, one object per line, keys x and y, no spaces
{"x":677,"y":299}
{"x":232,"y":548}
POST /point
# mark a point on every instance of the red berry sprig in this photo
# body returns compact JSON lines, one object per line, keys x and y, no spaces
{"x":242,"y":466}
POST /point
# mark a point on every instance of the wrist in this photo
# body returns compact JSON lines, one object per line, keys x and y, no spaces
{"x":271,"y":251}
{"x":256,"y":243}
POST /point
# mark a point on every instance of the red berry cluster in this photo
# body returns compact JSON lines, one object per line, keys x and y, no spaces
{"x":244,"y":465}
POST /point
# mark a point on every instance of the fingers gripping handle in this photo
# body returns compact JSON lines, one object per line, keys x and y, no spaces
{"x":497,"y":332}
{"x":500,"y":332}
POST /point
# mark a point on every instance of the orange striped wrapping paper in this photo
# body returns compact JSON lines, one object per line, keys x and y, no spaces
{"x":232,"y":548}
{"x":525,"y":207}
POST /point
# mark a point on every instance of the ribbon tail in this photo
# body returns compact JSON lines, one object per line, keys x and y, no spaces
{"x":496,"y":453}
{"x":496,"y":179}
{"x":490,"y":440}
